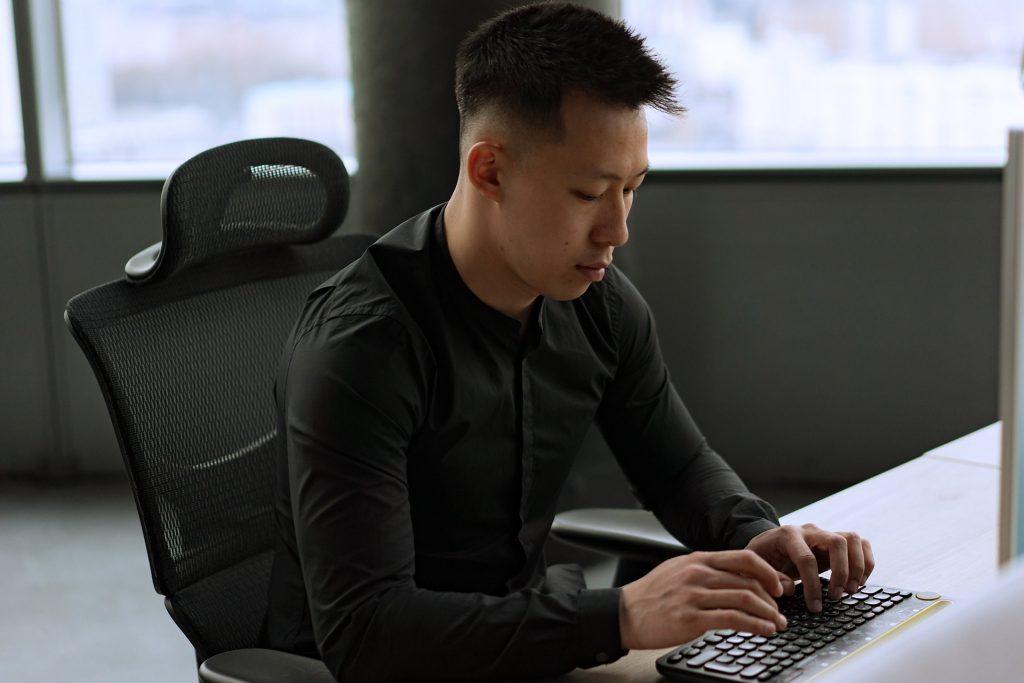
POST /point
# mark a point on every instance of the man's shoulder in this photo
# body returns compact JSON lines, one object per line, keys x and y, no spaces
{"x":375,"y":284}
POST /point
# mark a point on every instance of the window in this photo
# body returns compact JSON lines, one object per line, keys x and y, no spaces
{"x":792,"y":83}
{"x":150,"y":83}
{"x":12,"y":152}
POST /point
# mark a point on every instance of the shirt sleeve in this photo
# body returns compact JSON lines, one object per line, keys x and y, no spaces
{"x":355,"y":392}
{"x":674,"y":472}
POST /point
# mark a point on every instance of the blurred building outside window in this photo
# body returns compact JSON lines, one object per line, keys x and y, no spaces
{"x":12,"y":152}
{"x":836,"y":83}
{"x":153,"y":82}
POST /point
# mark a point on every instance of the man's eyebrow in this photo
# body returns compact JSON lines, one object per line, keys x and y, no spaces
{"x":608,"y":175}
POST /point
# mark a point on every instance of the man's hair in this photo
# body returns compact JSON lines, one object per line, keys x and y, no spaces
{"x":522,"y":63}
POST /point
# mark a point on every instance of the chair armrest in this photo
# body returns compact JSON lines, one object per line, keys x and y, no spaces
{"x":256,"y":665}
{"x":630,"y":534}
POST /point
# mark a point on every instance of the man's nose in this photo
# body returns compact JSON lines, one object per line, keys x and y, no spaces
{"x":613,"y":230}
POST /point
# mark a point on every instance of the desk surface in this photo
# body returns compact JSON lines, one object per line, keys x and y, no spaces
{"x":942,"y":506}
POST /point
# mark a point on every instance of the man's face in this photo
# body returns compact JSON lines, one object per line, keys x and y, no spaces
{"x":565,"y":203}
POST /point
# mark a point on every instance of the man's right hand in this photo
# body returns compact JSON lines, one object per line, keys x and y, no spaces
{"x":685,"y":596}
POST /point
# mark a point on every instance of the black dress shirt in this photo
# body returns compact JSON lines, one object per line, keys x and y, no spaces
{"x":424,"y":443}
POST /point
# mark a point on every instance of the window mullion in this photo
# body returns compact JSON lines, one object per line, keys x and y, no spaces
{"x":44,"y":105}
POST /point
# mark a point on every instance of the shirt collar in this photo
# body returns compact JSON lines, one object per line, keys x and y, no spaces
{"x":468,"y":302}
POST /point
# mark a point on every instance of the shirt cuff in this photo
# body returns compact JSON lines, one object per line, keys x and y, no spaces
{"x":745,"y":533}
{"x":597,"y":632}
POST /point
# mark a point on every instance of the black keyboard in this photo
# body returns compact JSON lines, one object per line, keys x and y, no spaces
{"x":810,"y":643}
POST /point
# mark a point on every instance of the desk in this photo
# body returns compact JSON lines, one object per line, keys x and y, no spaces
{"x":942,"y":506}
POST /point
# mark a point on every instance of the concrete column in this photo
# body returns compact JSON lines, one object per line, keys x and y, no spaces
{"x":407,"y":124}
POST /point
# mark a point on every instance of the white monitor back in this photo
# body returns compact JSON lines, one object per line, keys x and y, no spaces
{"x":1011,"y":363}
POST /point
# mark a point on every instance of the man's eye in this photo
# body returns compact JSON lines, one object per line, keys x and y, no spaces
{"x":587,"y":197}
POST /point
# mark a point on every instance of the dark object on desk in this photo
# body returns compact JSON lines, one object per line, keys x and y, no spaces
{"x":185,"y":349}
{"x":635,"y":537}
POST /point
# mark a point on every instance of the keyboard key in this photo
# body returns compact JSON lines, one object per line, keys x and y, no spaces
{"x":756,"y":654}
{"x":736,"y":640}
{"x":770,"y":661}
{"x":725,"y":632}
{"x":675,"y":659}
{"x":726,"y":659}
{"x":721,"y":668}
{"x":703,"y":658}
{"x":870,"y":590}
{"x":745,"y":634}
{"x":767,"y":675}
{"x":736,"y":652}
{"x":753,"y":671}
{"x":759,"y":640}
{"x":859,"y":596}
{"x":690,"y":652}
{"x":777,"y":669}
{"x":745,"y":661}
{"x":713,"y":639}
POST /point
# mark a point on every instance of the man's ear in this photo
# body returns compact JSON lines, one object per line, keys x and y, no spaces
{"x":484,"y":161}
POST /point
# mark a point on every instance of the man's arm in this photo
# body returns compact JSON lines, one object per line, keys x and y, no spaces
{"x":355,"y":396}
{"x":698,"y":498}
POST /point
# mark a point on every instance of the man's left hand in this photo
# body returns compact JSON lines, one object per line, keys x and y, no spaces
{"x":805,"y":551}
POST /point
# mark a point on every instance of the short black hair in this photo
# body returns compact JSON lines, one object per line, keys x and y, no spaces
{"x":524,"y":61}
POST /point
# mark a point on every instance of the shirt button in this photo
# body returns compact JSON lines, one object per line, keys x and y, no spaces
{"x":601,"y":657}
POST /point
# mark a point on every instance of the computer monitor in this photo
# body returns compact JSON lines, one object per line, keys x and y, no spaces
{"x":1011,"y":363}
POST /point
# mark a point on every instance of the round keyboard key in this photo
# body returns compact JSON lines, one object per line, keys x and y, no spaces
{"x":887,"y":604}
{"x":725,"y":632}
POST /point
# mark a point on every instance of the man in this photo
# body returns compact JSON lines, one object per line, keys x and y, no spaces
{"x":433,"y":394}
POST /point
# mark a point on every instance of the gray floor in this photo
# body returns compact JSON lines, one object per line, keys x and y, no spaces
{"x":76,"y":600}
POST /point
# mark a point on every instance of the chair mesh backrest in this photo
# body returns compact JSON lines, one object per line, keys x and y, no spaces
{"x":187,"y":366}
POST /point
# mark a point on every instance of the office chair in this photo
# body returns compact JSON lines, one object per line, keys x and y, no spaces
{"x":185,"y":349}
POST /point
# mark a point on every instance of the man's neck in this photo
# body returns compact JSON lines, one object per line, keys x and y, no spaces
{"x":469,"y":231}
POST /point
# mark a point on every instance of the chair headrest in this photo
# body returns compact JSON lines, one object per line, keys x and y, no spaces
{"x":245,"y":195}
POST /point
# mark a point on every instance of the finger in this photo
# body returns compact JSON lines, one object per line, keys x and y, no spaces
{"x":737,"y":620}
{"x":855,"y":554}
{"x":839,"y":563}
{"x":806,"y":565}
{"x":749,"y":563}
{"x":788,"y":585}
{"x":869,"y":559}
{"x":741,"y":601}
{"x":719,"y":579}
